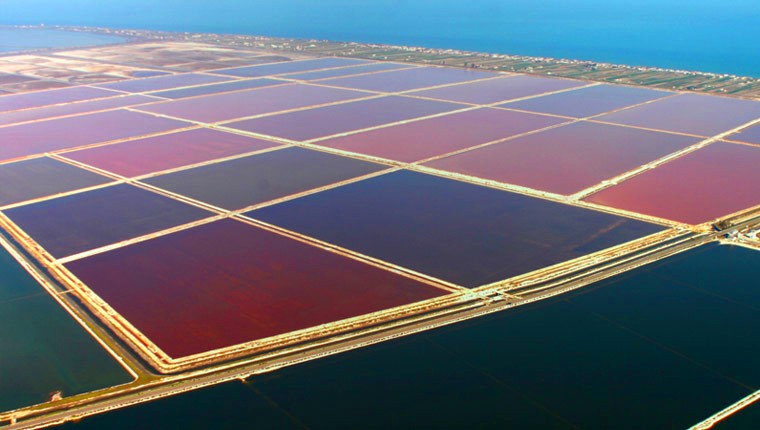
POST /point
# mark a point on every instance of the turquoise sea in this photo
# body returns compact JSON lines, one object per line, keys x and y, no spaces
{"x":685,"y":34}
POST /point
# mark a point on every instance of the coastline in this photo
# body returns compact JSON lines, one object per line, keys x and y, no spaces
{"x":646,"y":76}
{"x":138,"y":353}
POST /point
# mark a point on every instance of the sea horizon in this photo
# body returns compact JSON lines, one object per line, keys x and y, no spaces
{"x":679,"y":35}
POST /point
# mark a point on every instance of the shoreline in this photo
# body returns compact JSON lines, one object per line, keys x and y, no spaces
{"x":159,"y":375}
{"x":644,"y":76}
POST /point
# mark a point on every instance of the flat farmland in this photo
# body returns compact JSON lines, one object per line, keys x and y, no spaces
{"x":167,"y":151}
{"x":220,"y":107}
{"x":330,"y":120}
{"x":567,"y":159}
{"x":80,"y":222}
{"x":418,"y":140}
{"x":711,"y":182}
{"x":457,"y":232}
{"x":226,"y":283}
{"x":246,"y":181}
